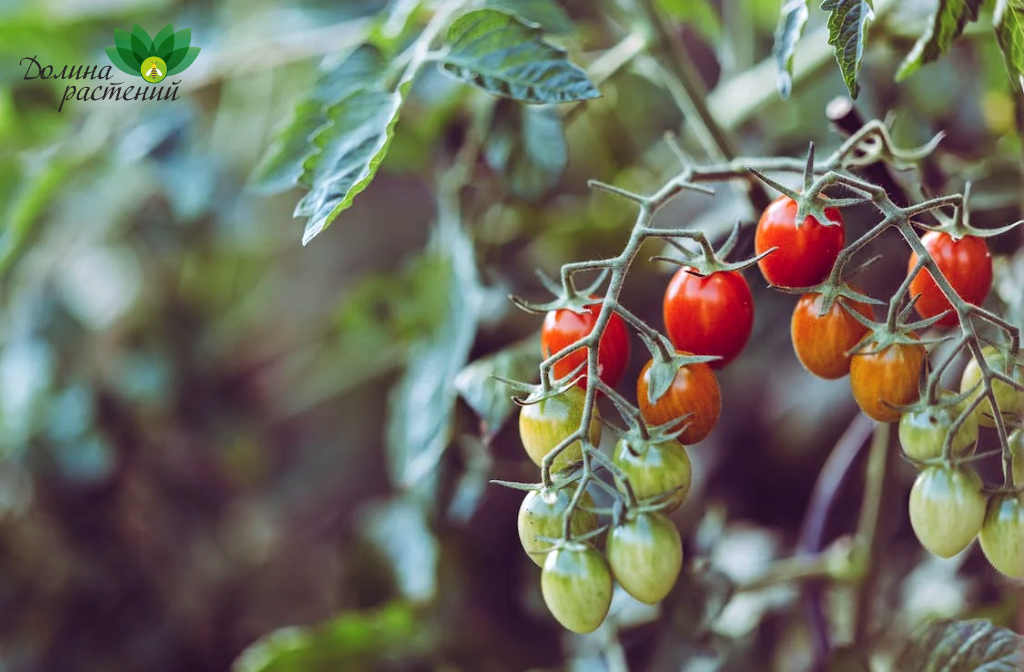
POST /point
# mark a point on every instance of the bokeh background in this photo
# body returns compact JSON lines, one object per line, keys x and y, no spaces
{"x":209,"y":433}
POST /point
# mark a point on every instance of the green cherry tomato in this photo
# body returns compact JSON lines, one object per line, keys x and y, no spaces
{"x":655,"y":469}
{"x":577,"y":586}
{"x":1002,"y":535}
{"x":1010,"y":399}
{"x":1016,"y":442}
{"x":646,"y":555}
{"x":947,"y":509}
{"x":541,"y":515}
{"x":544,"y":425}
{"x":923,"y":432}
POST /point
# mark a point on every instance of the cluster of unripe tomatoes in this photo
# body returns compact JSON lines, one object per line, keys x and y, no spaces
{"x":709,"y":311}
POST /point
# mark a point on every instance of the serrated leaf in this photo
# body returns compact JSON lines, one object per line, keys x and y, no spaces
{"x":792,"y":18}
{"x":190,"y":56}
{"x":163,"y":43}
{"x":847,"y":30}
{"x":547,"y":13}
{"x":948,"y":22}
{"x":499,"y":53}
{"x":963,"y":646}
{"x":142,"y":43}
{"x":527,"y":145}
{"x":281,"y":166}
{"x":490,"y":398}
{"x":1008,"y":22}
{"x":348,"y":153}
{"x":698,"y":13}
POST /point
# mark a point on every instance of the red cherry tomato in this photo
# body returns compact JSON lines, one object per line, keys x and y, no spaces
{"x":564,"y":327}
{"x":709,"y":316}
{"x":967,"y":265}
{"x":805,"y":255}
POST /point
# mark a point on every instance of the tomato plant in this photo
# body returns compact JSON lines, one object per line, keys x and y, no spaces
{"x":645,"y":555}
{"x":886,"y":378}
{"x":541,"y":515}
{"x":823,"y":342}
{"x":694,"y":393}
{"x":545,"y":424}
{"x":806,"y":253}
{"x":947,"y":509}
{"x":655,"y":469}
{"x":564,"y":327}
{"x":711,"y":315}
{"x":965,"y":262}
{"x":1002,"y":534}
{"x":577,"y":586}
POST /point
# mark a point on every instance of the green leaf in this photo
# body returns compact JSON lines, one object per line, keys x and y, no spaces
{"x":547,"y":13}
{"x":792,"y":18}
{"x":847,"y":29}
{"x":190,"y":56}
{"x":348,"y":152}
{"x":353,"y":641}
{"x":527,"y":145}
{"x":123,"y":43}
{"x":182,"y":39}
{"x":163,"y":43}
{"x":501,"y":54}
{"x":142,"y":44}
{"x":698,"y":13}
{"x":1009,"y":26}
{"x":421,"y":408}
{"x":115,"y":57}
{"x":489,"y":398}
{"x":948,"y":22}
{"x":963,"y":646}
{"x":281,"y":166}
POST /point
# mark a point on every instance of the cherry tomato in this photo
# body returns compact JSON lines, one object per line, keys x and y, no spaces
{"x":822,"y":343}
{"x":709,"y":316}
{"x":947,"y":509}
{"x":541,"y":515}
{"x":923,"y":432}
{"x":577,"y":586}
{"x":694,"y":390}
{"x":544,"y":425}
{"x":967,"y":265}
{"x":655,"y":469}
{"x":645,"y":555}
{"x":563,"y":327}
{"x":1010,"y":399}
{"x":888,"y":378}
{"x":1002,"y":535}
{"x":1016,"y":443}
{"x":805,"y":255}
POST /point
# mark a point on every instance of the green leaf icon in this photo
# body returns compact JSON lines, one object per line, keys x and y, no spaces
{"x":163,"y":43}
{"x":130,"y":50}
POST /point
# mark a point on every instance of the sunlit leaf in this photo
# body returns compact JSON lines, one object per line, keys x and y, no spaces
{"x":847,"y":30}
{"x":698,"y":13}
{"x":792,"y":18}
{"x":548,"y":13}
{"x":501,"y":54}
{"x":948,"y":22}
{"x":963,"y":646}
{"x":1009,"y":27}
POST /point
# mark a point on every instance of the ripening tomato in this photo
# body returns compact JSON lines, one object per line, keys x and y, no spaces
{"x":645,"y":555}
{"x":822,"y":343}
{"x":709,"y":316}
{"x":545,"y":424}
{"x":1002,"y":534}
{"x":541,"y":515}
{"x":577,"y":586}
{"x":947,"y":509}
{"x":881,"y":380}
{"x":967,"y":265}
{"x":563,"y":327}
{"x":655,"y":469}
{"x":1009,"y":398}
{"x":694,"y":390}
{"x":805,"y":254}
{"x":923,"y":431}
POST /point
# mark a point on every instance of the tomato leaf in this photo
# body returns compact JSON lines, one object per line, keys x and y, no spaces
{"x":847,"y":29}
{"x":503,"y":55}
{"x":1008,"y":22}
{"x":948,"y":22}
{"x":792,"y":18}
{"x":281,"y":166}
{"x":963,"y":646}
{"x":547,"y":13}
{"x":527,"y":145}
{"x":490,"y":398}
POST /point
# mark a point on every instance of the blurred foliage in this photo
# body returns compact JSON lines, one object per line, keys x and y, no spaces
{"x":209,"y":432}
